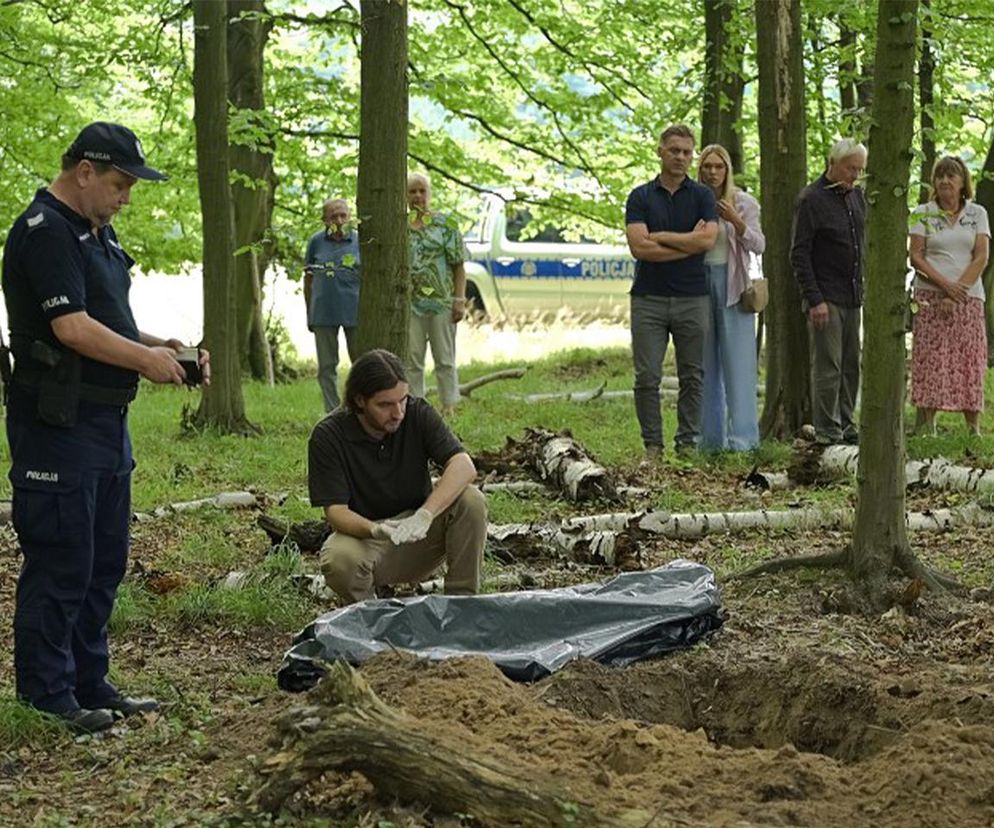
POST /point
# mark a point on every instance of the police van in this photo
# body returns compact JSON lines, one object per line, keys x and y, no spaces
{"x":517,"y":269}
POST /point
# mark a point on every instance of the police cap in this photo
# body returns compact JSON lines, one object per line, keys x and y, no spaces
{"x":116,"y":145}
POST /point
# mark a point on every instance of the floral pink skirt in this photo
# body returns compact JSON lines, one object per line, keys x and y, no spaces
{"x":948,"y":354}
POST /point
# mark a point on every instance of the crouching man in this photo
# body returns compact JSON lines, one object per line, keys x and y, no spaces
{"x":368,"y":469}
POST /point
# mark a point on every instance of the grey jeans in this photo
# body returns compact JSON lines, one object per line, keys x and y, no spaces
{"x":326,"y":343}
{"x":835,"y":374}
{"x":654,"y":320}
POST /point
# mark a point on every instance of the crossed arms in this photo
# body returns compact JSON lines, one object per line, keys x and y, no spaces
{"x":668,"y":246}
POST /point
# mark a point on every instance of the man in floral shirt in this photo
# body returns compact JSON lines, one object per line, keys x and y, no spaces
{"x":438,"y":296}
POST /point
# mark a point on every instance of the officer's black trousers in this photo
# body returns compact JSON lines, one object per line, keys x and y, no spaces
{"x":71,"y":508}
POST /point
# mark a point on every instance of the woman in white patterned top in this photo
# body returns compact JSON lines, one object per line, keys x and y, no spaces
{"x":950,"y":241}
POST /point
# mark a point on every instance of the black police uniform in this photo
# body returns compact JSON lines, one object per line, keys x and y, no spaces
{"x":71,"y":458}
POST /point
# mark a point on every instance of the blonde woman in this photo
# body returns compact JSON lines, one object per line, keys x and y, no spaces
{"x":950,"y":242}
{"x":729,"y":419}
{"x":438,"y":294}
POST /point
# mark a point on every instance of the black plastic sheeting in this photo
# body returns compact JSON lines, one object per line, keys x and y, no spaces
{"x":528,"y":635}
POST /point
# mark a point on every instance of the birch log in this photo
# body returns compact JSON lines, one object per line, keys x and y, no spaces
{"x":617,"y":538}
{"x":222,"y":500}
{"x":560,"y":459}
{"x":835,"y":462}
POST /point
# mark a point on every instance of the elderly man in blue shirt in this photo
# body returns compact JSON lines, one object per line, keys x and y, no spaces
{"x":331,"y":291}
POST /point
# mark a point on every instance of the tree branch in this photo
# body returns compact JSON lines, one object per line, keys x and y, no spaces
{"x":584,"y":164}
{"x":585,"y":63}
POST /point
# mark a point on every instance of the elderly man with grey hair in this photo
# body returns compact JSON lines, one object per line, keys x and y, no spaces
{"x":331,"y":292}
{"x":827,"y":258}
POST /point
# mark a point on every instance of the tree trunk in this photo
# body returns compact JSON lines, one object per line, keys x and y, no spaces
{"x":926,"y":89}
{"x":384,"y":301}
{"x":817,"y":77}
{"x":783,"y":172}
{"x":847,"y":71}
{"x":251,"y":158}
{"x":879,"y":535}
{"x":221,"y":406}
{"x":723,"y":81}
{"x":985,"y":198}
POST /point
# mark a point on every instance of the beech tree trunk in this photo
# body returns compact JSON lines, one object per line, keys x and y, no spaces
{"x":723,"y":81}
{"x":879,"y":536}
{"x":926,"y":98}
{"x":985,"y":197}
{"x":847,"y":70}
{"x":221,"y":405}
{"x":384,"y":301}
{"x":251,"y":158}
{"x":783,"y":172}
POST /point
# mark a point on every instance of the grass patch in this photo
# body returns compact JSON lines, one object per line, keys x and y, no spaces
{"x":22,"y":726}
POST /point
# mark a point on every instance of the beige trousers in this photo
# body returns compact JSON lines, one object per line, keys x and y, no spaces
{"x":354,"y":567}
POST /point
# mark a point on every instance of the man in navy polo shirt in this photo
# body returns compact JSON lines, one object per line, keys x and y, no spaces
{"x":77,"y":357}
{"x":671,"y":222}
{"x":331,"y":291}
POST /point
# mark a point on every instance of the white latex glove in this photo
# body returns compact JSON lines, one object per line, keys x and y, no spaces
{"x":413,"y":528}
{"x":383,"y":530}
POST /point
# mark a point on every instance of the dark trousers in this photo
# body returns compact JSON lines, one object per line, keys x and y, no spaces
{"x":654,"y":320}
{"x":71,"y":509}
{"x":835,"y":354}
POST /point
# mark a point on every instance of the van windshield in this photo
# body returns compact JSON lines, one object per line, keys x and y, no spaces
{"x":477,"y":232}
{"x":522,"y":227}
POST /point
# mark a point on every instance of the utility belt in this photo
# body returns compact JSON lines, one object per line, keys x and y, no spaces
{"x":60,"y":388}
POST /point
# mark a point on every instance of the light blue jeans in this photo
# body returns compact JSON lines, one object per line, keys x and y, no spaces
{"x":728,"y":419}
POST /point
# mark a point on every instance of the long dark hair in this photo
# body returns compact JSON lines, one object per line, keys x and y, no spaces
{"x":375,"y":371}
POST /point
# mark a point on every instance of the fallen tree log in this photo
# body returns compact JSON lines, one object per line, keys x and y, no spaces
{"x":616,"y":539}
{"x":467,"y":388}
{"x":561,"y":460}
{"x":347,"y":728}
{"x":815,"y":463}
{"x":223,"y":500}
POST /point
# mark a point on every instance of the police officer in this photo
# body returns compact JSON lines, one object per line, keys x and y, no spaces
{"x":78,"y":355}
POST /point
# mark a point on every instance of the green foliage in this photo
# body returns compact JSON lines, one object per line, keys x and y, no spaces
{"x":561,"y":102}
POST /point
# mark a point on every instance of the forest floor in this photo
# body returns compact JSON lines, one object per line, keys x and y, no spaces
{"x":803,"y":709}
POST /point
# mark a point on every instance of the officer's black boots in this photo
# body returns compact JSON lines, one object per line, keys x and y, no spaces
{"x":83,"y":720}
{"x":130,"y":706}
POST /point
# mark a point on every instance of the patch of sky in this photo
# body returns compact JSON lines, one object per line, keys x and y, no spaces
{"x":581,"y":85}
{"x":435,"y":116}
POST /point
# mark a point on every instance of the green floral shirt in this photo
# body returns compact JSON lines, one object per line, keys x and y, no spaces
{"x":434,"y":250}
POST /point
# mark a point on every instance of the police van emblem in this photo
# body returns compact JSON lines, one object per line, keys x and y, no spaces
{"x":528,"y":268}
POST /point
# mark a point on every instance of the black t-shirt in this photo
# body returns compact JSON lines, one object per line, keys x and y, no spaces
{"x":377,"y":478}
{"x":53,"y":264}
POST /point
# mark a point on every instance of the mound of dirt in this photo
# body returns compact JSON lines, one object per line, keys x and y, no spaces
{"x":607,"y":753}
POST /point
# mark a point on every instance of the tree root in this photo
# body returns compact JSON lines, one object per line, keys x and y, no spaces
{"x":934,"y":580}
{"x":905,"y":560}
{"x":827,"y":560}
{"x":346,"y":727}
